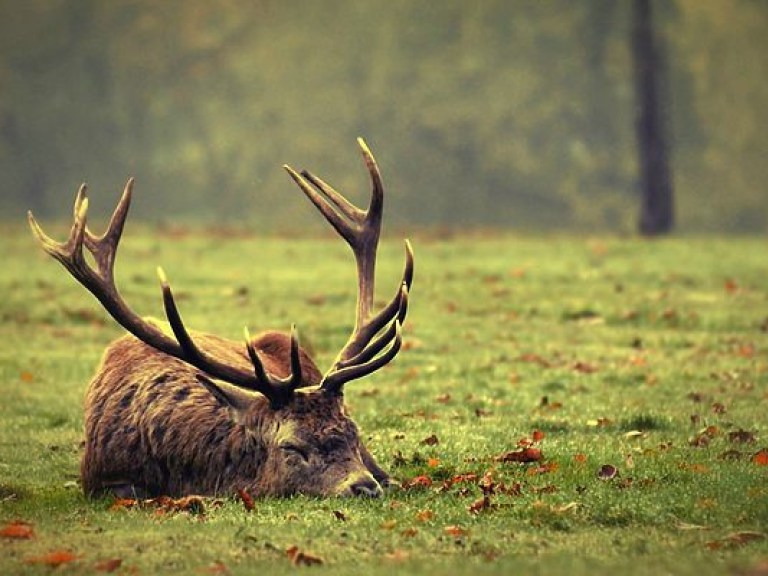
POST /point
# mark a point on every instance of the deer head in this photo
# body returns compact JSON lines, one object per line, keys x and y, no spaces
{"x":263,"y":400}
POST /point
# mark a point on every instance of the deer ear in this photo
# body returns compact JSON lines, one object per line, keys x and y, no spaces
{"x":236,"y":399}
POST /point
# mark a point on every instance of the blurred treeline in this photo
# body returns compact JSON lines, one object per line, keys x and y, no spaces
{"x":483,"y":113}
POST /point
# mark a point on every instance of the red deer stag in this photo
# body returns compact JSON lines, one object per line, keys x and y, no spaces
{"x":194,"y":413}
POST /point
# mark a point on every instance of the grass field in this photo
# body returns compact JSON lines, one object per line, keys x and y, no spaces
{"x":639,"y":369}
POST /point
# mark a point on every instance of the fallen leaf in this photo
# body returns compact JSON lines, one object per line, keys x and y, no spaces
{"x":537,"y":435}
{"x":731,"y":286}
{"x":543,"y":469}
{"x":410,"y":532}
{"x":456,"y":531}
{"x":443,"y":398}
{"x":388,"y":524}
{"x":580,"y":458}
{"x":53,"y":559}
{"x":741,"y":436}
{"x":123,"y":504}
{"x":433,"y":462}
{"x":634,"y":434}
{"x":761,"y":458}
{"x":425,"y":515}
{"x":718,"y":408}
{"x":523,"y":455}
{"x":419,"y":482}
{"x":217,"y":568}
{"x":480,"y":505}
{"x":108,"y":565}
{"x":731,"y":455}
{"x":487,"y":484}
{"x":18,"y":530}
{"x":607,"y":472}
{"x":299,"y":558}
{"x":735,"y":540}
{"x":584,"y":368}
{"x":430,"y":441}
{"x":246,"y":499}
{"x":340,"y":515}
{"x":548,"y":489}
{"x":534,"y":359}
{"x":26,"y":376}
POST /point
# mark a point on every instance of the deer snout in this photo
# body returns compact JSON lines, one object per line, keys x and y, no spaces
{"x":361,"y":485}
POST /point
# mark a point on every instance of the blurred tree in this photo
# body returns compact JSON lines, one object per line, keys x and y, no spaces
{"x":492,"y":113}
{"x":656,"y":213}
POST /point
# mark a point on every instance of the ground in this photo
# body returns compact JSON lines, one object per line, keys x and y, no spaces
{"x":562,"y":405}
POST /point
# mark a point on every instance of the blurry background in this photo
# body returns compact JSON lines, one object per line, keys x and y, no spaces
{"x":516,"y":114}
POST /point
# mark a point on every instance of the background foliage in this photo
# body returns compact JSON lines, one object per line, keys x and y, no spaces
{"x":485,"y":113}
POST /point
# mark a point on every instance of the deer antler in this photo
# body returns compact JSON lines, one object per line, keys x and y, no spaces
{"x":100,"y":282}
{"x":376,"y":338}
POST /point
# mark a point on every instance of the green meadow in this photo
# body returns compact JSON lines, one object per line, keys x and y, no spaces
{"x":630,"y":375}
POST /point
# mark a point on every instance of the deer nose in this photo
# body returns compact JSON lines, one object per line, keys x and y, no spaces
{"x":367,"y":487}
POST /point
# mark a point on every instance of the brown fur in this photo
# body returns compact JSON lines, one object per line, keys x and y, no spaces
{"x":152,"y":428}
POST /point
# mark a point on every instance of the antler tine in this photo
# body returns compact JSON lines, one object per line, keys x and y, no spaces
{"x":104,"y":247}
{"x":376,"y":206}
{"x":335,"y":380}
{"x":339,"y":223}
{"x":372,"y":346}
{"x":277,"y":390}
{"x":362,"y":354}
{"x":100,"y":282}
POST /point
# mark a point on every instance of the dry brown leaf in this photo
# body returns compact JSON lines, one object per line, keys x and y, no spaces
{"x":300,"y":558}
{"x":584,"y":368}
{"x":425,"y":515}
{"x":246,"y":499}
{"x":53,"y":559}
{"x":432,"y":440}
{"x":761,"y":457}
{"x":455,"y":531}
{"x":419,"y":482}
{"x":123,"y":504}
{"x":17,"y":530}
{"x":741,"y":436}
{"x":607,"y":472}
{"x":480,"y":505}
{"x":735,"y":540}
{"x":108,"y":565}
{"x":537,"y":435}
{"x":523,"y":455}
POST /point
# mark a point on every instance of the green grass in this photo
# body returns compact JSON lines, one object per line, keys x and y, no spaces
{"x":618,"y":350}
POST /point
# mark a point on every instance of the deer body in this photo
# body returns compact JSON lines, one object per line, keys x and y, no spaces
{"x":175,"y":412}
{"x":152,"y":428}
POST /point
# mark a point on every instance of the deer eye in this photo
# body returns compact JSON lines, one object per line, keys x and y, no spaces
{"x":294,"y":450}
{"x":334,"y":443}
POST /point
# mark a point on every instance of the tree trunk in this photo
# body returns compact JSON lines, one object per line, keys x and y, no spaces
{"x":657,"y":210}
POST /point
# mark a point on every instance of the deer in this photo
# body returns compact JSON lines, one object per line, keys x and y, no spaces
{"x":176,"y":412}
